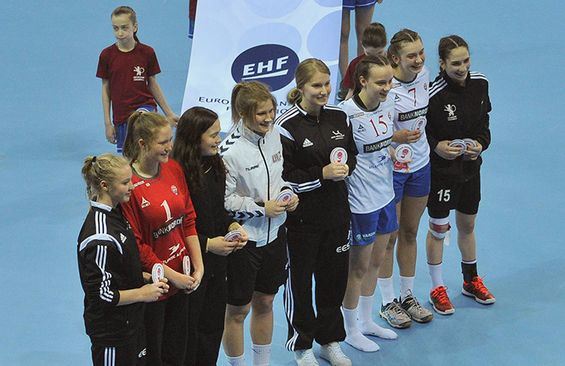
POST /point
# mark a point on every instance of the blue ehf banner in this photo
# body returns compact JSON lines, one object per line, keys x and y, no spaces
{"x":261,"y":40}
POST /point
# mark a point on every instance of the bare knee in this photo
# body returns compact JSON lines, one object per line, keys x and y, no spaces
{"x":466,"y":228}
{"x":391,"y":241}
{"x":409,"y":235}
{"x":237,"y":314}
{"x":263,"y":303}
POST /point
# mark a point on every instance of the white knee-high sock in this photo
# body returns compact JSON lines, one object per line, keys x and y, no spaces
{"x":436,"y":275}
{"x":366,"y":324}
{"x":406,"y":286}
{"x":236,"y":360}
{"x":353,"y":335}
{"x":387,"y":289}
{"x":261,"y":354}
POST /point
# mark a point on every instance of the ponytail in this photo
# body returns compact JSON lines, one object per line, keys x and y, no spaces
{"x":96,"y":169}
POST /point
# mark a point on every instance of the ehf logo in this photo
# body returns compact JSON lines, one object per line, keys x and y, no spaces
{"x":271,"y":64}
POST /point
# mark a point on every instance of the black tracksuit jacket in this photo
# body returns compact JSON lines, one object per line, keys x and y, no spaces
{"x":457,"y":112}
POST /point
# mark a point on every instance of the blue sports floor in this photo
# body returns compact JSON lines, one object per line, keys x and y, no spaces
{"x":52,"y":118}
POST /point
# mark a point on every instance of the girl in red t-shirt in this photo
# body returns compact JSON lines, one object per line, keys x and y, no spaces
{"x":162,"y":217}
{"x":128,"y":70}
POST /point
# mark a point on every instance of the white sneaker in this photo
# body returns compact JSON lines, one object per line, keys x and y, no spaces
{"x":305,"y":357}
{"x":332,"y":353}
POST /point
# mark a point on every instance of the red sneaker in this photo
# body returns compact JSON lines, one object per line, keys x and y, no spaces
{"x":440,"y":301}
{"x":477,"y":289}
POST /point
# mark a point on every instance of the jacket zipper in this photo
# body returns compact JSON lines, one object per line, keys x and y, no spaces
{"x":268,"y":189}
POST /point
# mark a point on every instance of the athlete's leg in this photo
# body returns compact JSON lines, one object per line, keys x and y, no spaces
{"x":466,"y":236}
{"x":344,"y":41}
{"x":377,"y":255}
{"x":363,"y":17}
{"x":412,"y":210}
{"x":232,"y":340}
{"x":359,"y":258}
{"x":262,"y":318}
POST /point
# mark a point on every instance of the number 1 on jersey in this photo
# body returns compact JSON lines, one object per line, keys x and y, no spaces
{"x":165,"y":205}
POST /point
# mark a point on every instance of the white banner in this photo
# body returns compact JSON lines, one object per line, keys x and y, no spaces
{"x":260,"y":40}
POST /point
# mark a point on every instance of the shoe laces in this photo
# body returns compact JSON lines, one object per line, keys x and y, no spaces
{"x":411,"y":300}
{"x":478,"y":284}
{"x":440,"y":293}
{"x":396,"y":309}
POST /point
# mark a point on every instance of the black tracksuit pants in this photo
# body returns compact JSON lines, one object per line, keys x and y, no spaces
{"x":206,"y":310}
{"x":325,"y":255}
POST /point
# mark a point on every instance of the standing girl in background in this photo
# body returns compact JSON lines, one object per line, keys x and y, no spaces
{"x":253,"y":157}
{"x":318,"y":232}
{"x":162,"y":217}
{"x":363,"y":14}
{"x":196,"y":149}
{"x":411,"y":179}
{"x":371,"y":194}
{"x":109,"y":267}
{"x":459,"y":109}
{"x":128,"y":70}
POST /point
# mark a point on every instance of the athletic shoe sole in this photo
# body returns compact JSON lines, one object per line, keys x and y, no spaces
{"x":480,"y":301}
{"x":446,"y":312}
{"x":423,"y":320}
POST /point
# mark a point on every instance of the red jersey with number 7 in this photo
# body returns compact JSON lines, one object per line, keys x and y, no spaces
{"x":161,"y":214}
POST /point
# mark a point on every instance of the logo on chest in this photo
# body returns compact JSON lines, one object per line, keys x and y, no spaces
{"x":361,"y":128}
{"x":144,"y":202}
{"x":174,"y":190}
{"x":450,"y":109}
{"x":337,"y":135}
{"x":139,"y":71}
{"x":277,"y":157}
{"x":307,"y":143}
{"x":252,"y":167}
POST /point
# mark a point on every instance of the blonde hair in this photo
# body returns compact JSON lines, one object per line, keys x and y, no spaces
{"x":96,"y":169}
{"x":305,"y":71}
{"x":141,"y":125}
{"x":245,"y":97}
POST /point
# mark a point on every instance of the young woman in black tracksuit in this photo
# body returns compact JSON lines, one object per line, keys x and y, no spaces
{"x":196,"y":149}
{"x":318,"y":230}
{"x":459,"y":109}
{"x":110,"y":269}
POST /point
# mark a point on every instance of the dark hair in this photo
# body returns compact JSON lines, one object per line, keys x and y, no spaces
{"x":396,"y":43}
{"x":141,"y":125}
{"x":449,"y":43}
{"x":245,"y":97}
{"x":364,"y":66}
{"x":186,"y":149}
{"x":303,"y":74}
{"x":120,"y":10}
{"x":374,"y":36}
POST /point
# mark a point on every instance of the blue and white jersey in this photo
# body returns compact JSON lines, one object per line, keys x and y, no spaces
{"x":370,"y":185}
{"x":410,"y":108}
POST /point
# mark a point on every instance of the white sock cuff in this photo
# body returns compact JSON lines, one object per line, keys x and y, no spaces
{"x":260,"y":347}
{"x":261,"y":354}
{"x":236,"y":360}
